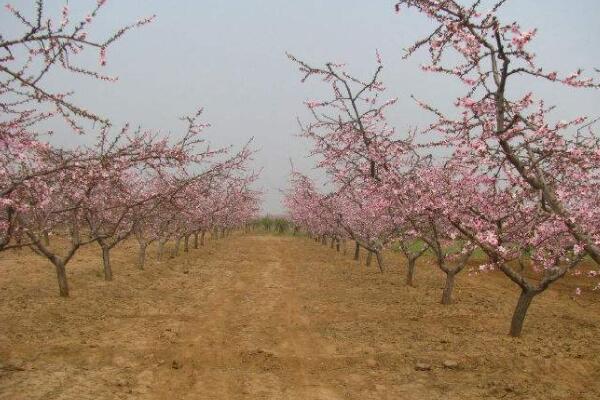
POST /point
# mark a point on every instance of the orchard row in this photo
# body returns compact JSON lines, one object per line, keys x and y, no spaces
{"x":127,"y":182}
{"x":497,"y":175}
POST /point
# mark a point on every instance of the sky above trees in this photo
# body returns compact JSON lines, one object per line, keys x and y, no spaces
{"x":229,"y":57}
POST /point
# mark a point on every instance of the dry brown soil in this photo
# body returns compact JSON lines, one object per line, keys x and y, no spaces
{"x":268,"y":317}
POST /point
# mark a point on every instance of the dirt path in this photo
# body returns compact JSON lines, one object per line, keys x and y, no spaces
{"x":267,"y":317}
{"x":251,"y":337}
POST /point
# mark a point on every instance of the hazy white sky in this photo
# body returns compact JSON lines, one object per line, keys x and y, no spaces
{"x":229,"y":57}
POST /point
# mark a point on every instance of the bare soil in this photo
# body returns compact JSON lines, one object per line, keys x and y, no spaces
{"x":268,"y":317}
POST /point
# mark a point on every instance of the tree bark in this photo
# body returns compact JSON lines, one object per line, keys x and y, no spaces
{"x":195,"y":240}
{"x":108,"y":276}
{"x":356,"y":252}
{"x":61,"y":274}
{"x":142,"y":255}
{"x":175,"y":251}
{"x":516,"y":325}
{"x":46,"y":238}
{"x":380,"y":261}
{"x":410,"y":272}
{"x":161,"y":249}
{"x":448,"y":287}
{"x":186,"y":243}
{"x":337,"y":245}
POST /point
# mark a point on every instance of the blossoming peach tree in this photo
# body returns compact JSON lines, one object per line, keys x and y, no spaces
{"x":518,"y":186}
{"x":124,"y":183}
{"x":531,"y":184}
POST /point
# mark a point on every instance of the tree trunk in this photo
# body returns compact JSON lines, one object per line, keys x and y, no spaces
{"x":142,"y":255}
{"x":356,"y":252}
{"x":46,"y":238}
{"x":380,"y":261}
{"x":410,"y":272}
{"x":161,"y":249}
{"x":369,"y":258}
{"x":19,"y":241}
{"x":337,"y":245}
{"x":448,"y":287}
{"x":196,"y":240}
{"x":186,"y":243}
{"x":175,"y":251}
{"x":106,"y":263}
{"x":332,"y":242}
{"x":520,"y":312}
{"x":202,"y":238}
{"x":61,"y":274}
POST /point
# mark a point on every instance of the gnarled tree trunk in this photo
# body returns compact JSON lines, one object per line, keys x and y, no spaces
{"x":142,"y":254}
{"x":175,"y":251}
{"x":161,"y":248}
{"x":46,"y":238}
{"x":61,"y":275}
{"x":108,"y":276}
{"x":516,"y":325}
{"x":380,"y":264}
{"x":448,"y":287}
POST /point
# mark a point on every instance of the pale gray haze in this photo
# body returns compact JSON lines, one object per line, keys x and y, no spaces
{"x":229,"y":57}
